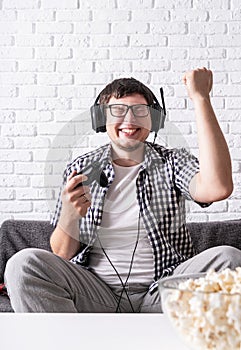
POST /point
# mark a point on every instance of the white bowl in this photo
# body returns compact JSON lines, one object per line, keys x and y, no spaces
{"x":205,"y":319}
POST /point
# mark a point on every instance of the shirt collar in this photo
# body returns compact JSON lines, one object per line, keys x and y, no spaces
{"x":152,"y":156}
{"x":104,"y":154}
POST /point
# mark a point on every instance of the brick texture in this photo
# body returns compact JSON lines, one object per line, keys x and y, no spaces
{"x":55,"y":57}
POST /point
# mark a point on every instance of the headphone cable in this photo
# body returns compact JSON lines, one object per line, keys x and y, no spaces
{"x":130,"y":268}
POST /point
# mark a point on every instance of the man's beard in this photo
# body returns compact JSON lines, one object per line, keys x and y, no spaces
{"x":129,"y":146}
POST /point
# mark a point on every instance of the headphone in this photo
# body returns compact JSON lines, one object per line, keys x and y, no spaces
{"x":158,"y":114}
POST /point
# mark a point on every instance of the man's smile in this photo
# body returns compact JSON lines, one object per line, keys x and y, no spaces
{"x":128,"y":131}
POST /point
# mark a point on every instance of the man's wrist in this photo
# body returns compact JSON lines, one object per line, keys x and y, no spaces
{"x":198,"y":98}
{"x":71,"y":228}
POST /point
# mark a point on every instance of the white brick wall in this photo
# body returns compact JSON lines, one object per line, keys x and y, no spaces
{"x":55,"y":56}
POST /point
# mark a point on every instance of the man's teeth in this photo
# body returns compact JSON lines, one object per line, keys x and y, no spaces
{"x":129,"y":131}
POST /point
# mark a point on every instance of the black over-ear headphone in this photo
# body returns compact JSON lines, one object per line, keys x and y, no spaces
{"x":158,"y":114}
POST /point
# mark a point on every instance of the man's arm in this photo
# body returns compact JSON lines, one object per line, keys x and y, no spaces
{"x":64,"y":244}
{"x":64,"y":240}
{"x":214,"y":181}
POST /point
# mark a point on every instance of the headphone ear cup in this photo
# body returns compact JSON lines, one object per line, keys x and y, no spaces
{"x":98,"y":118}
{"x":157,"y":118}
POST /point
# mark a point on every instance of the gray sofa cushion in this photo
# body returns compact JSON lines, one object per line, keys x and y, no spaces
{"x":5,"y":305}
{"x":19,"y":234}
{"x":211,"y":234}
{"x":16,"y":235}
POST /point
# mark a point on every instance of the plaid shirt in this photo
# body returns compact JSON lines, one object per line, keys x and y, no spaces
{"x":162,"y":186}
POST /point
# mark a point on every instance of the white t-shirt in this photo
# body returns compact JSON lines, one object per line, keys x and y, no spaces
{"x":119,"y":232}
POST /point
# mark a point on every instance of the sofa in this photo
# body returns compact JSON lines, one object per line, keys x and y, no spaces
{"x":19,"y":234}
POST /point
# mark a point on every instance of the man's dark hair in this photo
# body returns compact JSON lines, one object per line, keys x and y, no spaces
{"x":125,"y":87}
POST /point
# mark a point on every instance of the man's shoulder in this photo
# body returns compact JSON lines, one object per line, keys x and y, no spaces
{"x":167,"y":152}
{"x":97,"y":155}
{"x":176,"y":157}
{"x":160,"y":149}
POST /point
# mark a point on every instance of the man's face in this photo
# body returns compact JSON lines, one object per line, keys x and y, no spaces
{"x":128,"y":132}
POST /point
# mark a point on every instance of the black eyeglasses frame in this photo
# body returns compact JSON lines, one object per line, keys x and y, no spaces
{"x":127,"y":107}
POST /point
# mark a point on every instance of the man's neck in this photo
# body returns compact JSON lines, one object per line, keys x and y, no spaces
{"x":127,"y":158}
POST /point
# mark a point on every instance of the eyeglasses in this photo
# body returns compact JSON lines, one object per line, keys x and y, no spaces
{"x":120,"y":110}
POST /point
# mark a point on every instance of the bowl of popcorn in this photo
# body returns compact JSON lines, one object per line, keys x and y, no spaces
{"x":205,"y":309}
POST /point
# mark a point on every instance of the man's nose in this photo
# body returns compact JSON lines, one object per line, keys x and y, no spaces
{"x":129,"y":117}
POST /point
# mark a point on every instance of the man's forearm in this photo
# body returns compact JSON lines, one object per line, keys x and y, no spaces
{"x":64,"y":244}
{"x":75,"y":203}
{"x":215,"y":177}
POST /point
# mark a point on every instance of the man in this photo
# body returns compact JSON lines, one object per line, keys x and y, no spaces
{"x":112,"y":244}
